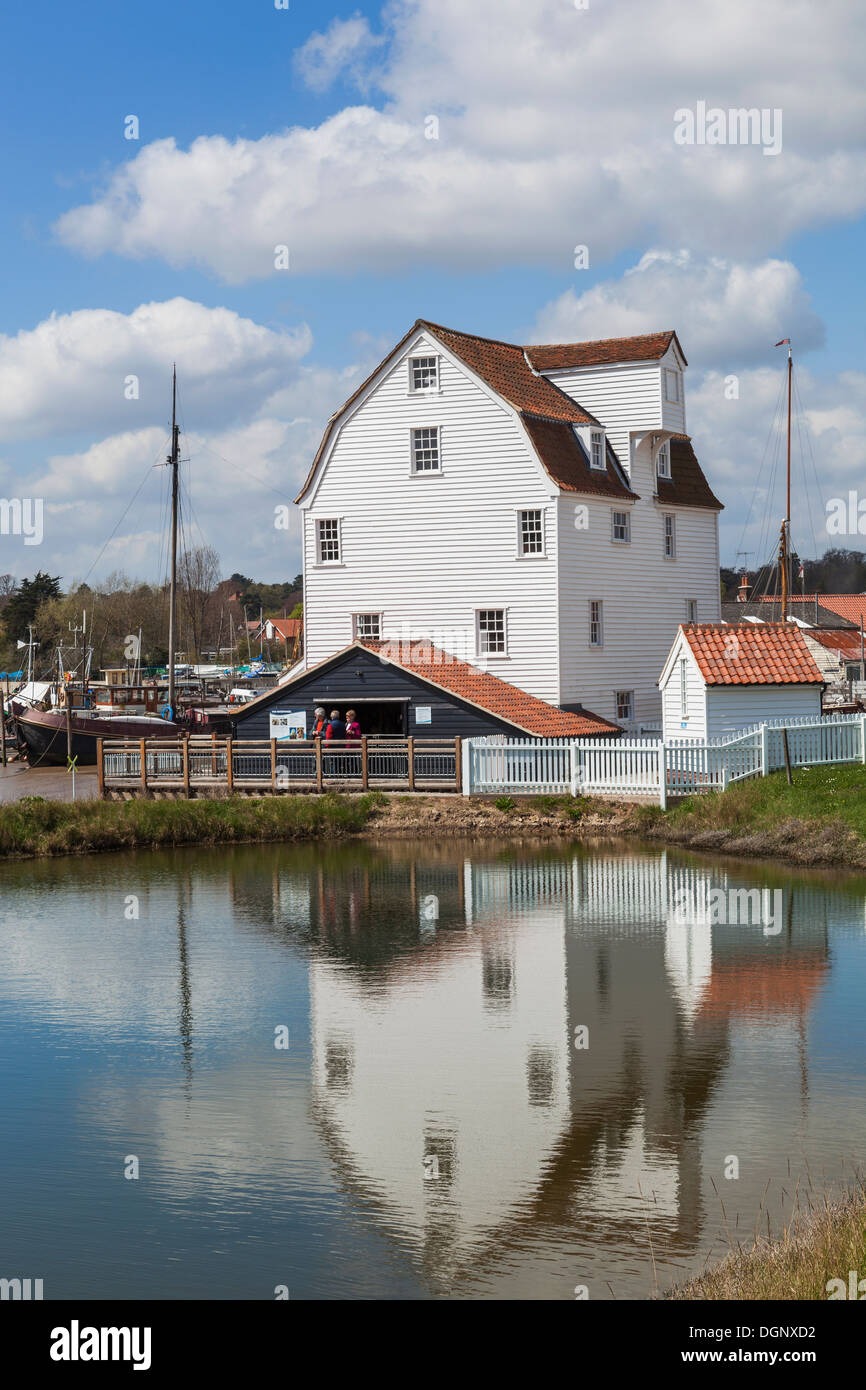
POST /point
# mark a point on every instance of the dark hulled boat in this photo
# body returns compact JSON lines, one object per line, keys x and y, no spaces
{"x":44,"y":732}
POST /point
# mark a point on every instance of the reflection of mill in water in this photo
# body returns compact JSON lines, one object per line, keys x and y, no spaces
{"x":445,"y":997}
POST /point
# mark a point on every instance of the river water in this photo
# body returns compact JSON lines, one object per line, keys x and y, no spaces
{"x":418,"y":1070}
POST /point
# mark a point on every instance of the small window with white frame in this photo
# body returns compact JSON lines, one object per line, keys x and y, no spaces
{"x":329,"y":550}
{"x":367,"y":626}
{"x":596,"y":449}
{"x":423,"y":374}
{"x":530,"y":540}
{"x":663,"y":460}
{"x":673,"y":386}
{"x":670,"y":525}
{"x":490,"y":628}
{"x":596,"y":622}
{"x":620,"y":526}
{"x":426,"y":451}
{"x":691,"y":610}
{"x":625,"y":705}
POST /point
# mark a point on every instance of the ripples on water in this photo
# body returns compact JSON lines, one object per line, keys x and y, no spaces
{"x":431,"y":1128}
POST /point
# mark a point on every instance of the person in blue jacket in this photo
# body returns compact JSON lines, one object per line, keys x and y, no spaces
{"x":336,"y":727}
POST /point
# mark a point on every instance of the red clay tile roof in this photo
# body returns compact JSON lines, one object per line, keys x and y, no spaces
{"x":646,"y":347}
{"x":687,"y":486}
{"x":504,"y":367}
{"x":567,"y":464}
{"x":487,"y":692}
{"x":752,"y":654}
{"x":479,"y":688}
{"x":286,"y":627}
{"x":850,"y":606}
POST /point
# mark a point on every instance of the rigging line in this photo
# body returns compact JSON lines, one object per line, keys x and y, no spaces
{"x":763,"y":460}
{"x":121,"y":520}
{"x":203,"y":444}
{"x":808,"y":434}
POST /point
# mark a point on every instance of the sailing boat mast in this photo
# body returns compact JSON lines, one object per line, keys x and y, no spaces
{"x":172,"y":596}
{"x":785,"y":543}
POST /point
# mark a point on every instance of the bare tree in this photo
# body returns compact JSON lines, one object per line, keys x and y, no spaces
{"x":198,"y":573}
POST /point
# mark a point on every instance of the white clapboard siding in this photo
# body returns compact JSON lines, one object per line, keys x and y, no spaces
{"x":732,"y":707}
{"x":645,"y":598}
{"x":426,"y":552}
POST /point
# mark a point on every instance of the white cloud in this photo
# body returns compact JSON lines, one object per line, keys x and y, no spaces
{"x":344,"y":49}
{"x":70,"y":371}
{"x":556,"y":128}
{"x":723,"y":312}
{"x":744,"y":459}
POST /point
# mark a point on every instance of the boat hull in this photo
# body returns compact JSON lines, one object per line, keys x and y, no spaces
{"x":43,"y":733}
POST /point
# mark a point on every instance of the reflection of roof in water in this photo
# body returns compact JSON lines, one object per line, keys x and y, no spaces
{"x":740,"y":990}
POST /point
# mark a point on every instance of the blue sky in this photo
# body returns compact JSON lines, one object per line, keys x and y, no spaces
{"x":306,"y":125}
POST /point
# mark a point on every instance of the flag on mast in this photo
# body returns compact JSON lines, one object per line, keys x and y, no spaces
{"x":783,"y":341}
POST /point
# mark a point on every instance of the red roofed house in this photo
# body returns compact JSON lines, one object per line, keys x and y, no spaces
{"x":718,"y":679}
{"x":535,"y":511}
{"x":398,"y":688}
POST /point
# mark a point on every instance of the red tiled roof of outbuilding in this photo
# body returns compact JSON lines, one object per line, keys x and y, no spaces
{"x":752,"y":654}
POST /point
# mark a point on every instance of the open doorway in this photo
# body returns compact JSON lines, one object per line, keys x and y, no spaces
{"x":377,"y":718}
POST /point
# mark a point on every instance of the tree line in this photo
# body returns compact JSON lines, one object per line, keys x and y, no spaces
{"x":211,"y":613}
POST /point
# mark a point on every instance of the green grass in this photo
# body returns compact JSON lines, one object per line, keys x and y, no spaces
{"x":820,"y":819}
{"x":820,"y":1246}
{"x":34,"y":826}
{"x":822,"y":794}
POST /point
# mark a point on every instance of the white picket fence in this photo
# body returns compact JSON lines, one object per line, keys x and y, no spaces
{"x":652,"y":768}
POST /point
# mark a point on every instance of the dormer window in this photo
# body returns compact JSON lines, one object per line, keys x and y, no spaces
{"x":663,"y":461}
{"x":673,"y":386}
{"x":596,"y":448}
{"x":423,"y":374}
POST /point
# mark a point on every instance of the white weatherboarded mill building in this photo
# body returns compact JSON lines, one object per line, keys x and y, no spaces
{"x":719,"y":680}
{"x":536,"y":511}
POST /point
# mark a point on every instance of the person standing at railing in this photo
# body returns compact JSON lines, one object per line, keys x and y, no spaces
{"x":353,"y":729}
{"x":336,"y":727}
{"x":320,"y":723}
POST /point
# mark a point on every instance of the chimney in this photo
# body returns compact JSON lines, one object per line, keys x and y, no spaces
{"x":743,"y":591}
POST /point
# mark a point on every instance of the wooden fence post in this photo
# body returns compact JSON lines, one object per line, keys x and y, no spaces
{"x":787,"y":756}
{"x":143,"y":758}
{"x":410,"y":750}
{"x":185,"y":756}
{"x":273,"y":764}
{"x":458,"y":764}
{"x":365,"y":766}
{"x":319,"y":782}
{"x":230,"y":767}
{"x":100,"y":769}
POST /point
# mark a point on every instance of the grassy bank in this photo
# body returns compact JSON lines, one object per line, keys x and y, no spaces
{"x":34,"y":826}
{"x":820,"y":1247}
{"x":821,"y":819}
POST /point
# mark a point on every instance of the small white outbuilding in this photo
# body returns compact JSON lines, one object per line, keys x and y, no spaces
{"x":719,"y":679}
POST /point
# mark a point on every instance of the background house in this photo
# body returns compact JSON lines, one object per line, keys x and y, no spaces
{"x":538,"y":510}
{"x":718,"y":680}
